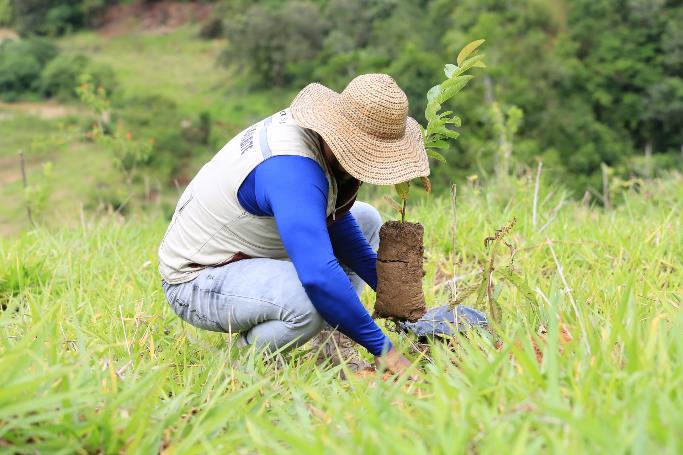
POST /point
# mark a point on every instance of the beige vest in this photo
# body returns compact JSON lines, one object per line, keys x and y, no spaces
{"x":209,"y":226}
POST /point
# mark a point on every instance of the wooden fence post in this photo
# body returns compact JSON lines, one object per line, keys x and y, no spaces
{"x":25,"y":180}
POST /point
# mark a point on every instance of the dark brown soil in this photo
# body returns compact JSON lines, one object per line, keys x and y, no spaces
{"x":157,"y":17}
{"x":399,"y":271}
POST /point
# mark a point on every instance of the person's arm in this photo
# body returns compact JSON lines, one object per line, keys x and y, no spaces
{"x":293,"y":189}
{"x":353,"y":250}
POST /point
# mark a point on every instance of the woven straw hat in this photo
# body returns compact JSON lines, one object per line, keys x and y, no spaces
{"x":367,"y":127}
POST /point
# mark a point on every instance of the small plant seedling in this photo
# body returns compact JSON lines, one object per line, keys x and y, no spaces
{"x":127,"y":152}
{"x":37,"y":193}
{"x":437,"y":134}
{"x":400,"y":257}
{"x":485,"y":289}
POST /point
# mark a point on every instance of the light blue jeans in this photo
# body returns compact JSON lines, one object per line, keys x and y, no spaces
{"x":261,"y":299}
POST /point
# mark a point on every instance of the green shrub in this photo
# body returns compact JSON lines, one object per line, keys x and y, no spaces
{"x":40,"y":48}
{"x":176,"y":136}
{"x":18,"y":74}
{"x":60,"y":76}
{"x":51,"y":17}
{"x":211,"y":29}
{"x":198,"y":131}
{"x":109,"y":196}
{"x":275,"y":43}
{"x":21,"y":63}
{"x":5,"y":12}
{"x":62,"y":19}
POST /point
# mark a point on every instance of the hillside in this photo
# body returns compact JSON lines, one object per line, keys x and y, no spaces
{"x":146,"y":65}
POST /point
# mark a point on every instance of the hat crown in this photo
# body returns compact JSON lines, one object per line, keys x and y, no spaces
{"x":375,"y":104}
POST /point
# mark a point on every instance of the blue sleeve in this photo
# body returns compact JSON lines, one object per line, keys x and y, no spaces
{"x":353,"y":250}
{"x":293,"y":189}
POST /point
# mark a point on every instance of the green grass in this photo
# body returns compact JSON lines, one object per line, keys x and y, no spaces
{"x":159,"y":63}
{"x":85,"y":303}
{"x":75,"y":171}
{"x":19,"y":131}
{"x":181,"y":67}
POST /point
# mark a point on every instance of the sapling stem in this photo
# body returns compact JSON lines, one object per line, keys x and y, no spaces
{"x":403,"y":211}
{"x":534,"y":219}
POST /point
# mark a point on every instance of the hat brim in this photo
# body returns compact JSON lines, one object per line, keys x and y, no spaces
{"x":364,"y":156}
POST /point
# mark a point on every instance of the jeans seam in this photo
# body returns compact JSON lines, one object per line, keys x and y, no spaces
{"x":289,"y":312}
{"x":258,"y":299}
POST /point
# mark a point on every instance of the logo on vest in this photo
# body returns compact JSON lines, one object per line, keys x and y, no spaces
{"x":282,"y":117}
{"x":247,"y":140}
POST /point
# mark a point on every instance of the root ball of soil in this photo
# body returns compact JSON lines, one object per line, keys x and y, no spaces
{"x":399,"y":271}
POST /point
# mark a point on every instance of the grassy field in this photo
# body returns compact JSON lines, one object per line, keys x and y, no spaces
{"x":76,"y":169}
{"x":92,"y":360}
{"x":179,"y":66}
{"x":176,"y":65}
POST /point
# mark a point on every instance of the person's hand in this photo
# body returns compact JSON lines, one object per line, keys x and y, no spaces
{"x":394,"y":362}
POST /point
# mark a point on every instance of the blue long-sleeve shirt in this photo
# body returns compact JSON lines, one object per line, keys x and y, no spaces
{"x":293,"y":190}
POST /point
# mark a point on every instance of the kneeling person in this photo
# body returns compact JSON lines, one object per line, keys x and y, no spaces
{"x":259,"y":236}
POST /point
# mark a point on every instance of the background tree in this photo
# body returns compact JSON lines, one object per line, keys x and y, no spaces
{"x":275,"y":43}
{"x":52,"y":17}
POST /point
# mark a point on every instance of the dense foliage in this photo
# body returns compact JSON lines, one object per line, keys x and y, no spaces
{"x":21,"y":64}
{"x":597,"y":82}
{"x":35,"y":67}
{"x":50,"y":17}
{"x":585,"y":83}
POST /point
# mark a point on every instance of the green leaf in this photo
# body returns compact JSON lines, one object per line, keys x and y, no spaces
{"x":435,"y":125}
{"x":439,"y":144}
{"x":442,"y":130}
{"x":455,"y":121}
{"x":519,"y":282}
{"x":463,"y":294}
{"x":433,"y":92}
{"x":468,"y":49}
{"x":470,"y":63}
{"x":457,"y":81}
{"x":423,"y":130}
{"x":431,"y":110}
{"x":481,"y":291}
{"x":402,"y":189}
{"x":449,"y":69}
{"x":495,"y":310}
{"x":452,"y":86}
{"x":436,"y":155}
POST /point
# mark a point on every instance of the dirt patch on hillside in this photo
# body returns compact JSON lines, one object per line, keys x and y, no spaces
{"x":7,"y":33}
{"x":9,"y":168}
{"x":47,"y":110}
{"x":153,"y":18}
